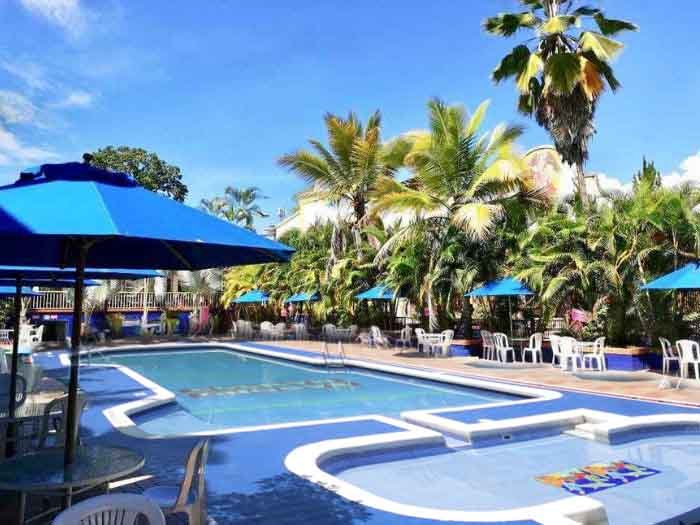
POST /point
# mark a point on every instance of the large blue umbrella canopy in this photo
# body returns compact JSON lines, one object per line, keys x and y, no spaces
{"x":252,"y":296}
{"x":508,"y":287}
{"x":48,"y":273}
{"x":10,"y":291}
{"x":685,"y":278}
{"x":47,"y":283}
{"x":78,"y":215}
{"x":503,"y":287}
{"x":304,"y":297}
{"x":378,"y":293}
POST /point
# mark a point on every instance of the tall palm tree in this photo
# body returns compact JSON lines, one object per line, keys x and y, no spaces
{"x":238,"y":205}
{"x":562,"y":71}
{"x":463,"y":182}
{"x":348,"y":168}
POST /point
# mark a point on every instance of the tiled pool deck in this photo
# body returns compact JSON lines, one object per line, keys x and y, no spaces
{"x":247,"y":480}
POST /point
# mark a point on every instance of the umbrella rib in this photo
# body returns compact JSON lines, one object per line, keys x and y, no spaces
{"x":177,"y":254}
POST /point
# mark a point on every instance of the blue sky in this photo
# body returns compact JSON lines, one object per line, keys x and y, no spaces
{"x":222,"y":88}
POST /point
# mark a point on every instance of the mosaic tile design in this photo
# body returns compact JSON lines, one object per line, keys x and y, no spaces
{"x":597,"y":477}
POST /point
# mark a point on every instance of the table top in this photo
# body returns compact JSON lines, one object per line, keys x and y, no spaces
{"x":44,"y":470}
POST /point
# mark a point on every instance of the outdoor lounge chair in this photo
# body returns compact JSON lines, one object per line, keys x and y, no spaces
{"x":190,"y":497}
{"x":112,"y":509}
{"x":690,"y":357}
{"x":534,"y":348}
{"x":670,"y":355}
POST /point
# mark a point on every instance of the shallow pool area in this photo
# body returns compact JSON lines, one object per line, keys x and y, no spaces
{"x":221,"y":388}
{"x":641,"y":482}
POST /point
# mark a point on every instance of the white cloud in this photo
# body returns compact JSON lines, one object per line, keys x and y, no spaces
{"x":76,"y":99}
{"x":612,"y":184}
{"x":66,"y":14}
{"x":29,"y":72}
{"x":12,"y":151}
{"x":15,"y":108}
{"x":689,"y":172}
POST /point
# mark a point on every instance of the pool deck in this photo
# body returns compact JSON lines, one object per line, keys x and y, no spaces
{"x":246,"y":476}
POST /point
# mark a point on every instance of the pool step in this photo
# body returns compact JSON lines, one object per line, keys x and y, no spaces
{"x":583,"y":431}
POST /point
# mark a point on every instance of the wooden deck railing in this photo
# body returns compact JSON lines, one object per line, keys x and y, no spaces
{"x":57,"y":301}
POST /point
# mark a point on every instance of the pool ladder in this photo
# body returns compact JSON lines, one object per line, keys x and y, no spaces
{"x":337,"y":360}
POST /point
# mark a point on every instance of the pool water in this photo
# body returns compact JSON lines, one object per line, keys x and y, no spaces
{"x":504,"y":477}
{"x":223,"y":388}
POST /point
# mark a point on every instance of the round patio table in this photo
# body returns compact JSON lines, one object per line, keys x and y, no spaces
{"x":44,"y":472}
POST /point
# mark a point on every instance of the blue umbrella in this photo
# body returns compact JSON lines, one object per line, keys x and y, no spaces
{"x":11,"y":291}
{"x":378,"y":293}
{"x":252,"y":296}
{"x":685,"y":278}
{"x":304,"y":297}
{"x":78,"y":215}
{"x":509,"y":287}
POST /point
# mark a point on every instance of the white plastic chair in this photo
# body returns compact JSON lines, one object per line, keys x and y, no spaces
{"x":420,"y":340}
{"x":569,"y":350}
{"x":112,"y":509}
{"x":502,"y":347}
{"x":554,"y":342}
{"x":328,"y":331}
{"x":488,"y":345}
{"x":690,"y":356}
{"x":670,"y":355}
{"x":300,"y":331}
{"x":190,"y":497}
{"x":597,"y":356}
{"x":377,"y":338}
{"x":534,"y":348}
{"x":266,"y":328}
{"x":405,"y":339}
{"x":443,"y":347}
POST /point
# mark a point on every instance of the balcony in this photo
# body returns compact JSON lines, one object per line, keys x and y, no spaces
{"x":58,"y":301}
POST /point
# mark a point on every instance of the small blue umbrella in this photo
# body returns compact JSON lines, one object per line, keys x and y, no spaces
{"x":510,"y":286}
{"x":252,"y":296}
{"x":304,"y":297}
{"x":78,"y":215}
{"x":685,"y":278}
{"x":378,"y":293}
{"x":10,"y":291}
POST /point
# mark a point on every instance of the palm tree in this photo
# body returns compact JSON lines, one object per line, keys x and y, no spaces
{"x":463,"y":183}
{"x":237,"y":206}
{"x":562,"y":71}
{"x":348,"y":169}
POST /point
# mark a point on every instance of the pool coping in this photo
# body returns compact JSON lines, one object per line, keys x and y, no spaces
{"x":119,"y":415}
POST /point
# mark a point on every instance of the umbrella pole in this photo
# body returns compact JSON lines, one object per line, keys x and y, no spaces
{"x":71,"y":423}
{"x":510,"y":317}
{"x":12,"y":401}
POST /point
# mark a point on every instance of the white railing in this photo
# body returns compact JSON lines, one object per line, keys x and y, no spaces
{"x":126,"y":301}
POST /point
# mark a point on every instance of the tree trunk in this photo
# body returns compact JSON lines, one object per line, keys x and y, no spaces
{"x":581,"y":184}
{"x":467,"y":313}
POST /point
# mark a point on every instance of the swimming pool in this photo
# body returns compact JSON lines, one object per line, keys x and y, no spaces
{"x":217,"y":388}
{"x":642,"y":482}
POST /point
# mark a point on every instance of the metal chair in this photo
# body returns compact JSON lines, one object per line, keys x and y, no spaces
{"x":534,"y":348}
{"x":190,"y":497}
{"x":112,"y":509}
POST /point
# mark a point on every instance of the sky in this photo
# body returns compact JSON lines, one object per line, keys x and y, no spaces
{"x":222,"y":88}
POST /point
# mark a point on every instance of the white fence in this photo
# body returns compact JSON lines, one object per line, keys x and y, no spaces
{"x":126,"y":301}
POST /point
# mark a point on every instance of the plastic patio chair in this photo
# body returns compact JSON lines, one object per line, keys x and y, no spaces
{"x":377,"y":338}
{"x":534,"y":348}
{"x":502,"y":347}
{"x":420,"y":340}
{"x":328,"y":332}
{"x":597,"y":356}
{"x":569,"y":350}
{"x":405,"y":339}
{"x":554,"y":342}
{"x":488,"y":346}
{"x":190,"y":497}
{"x":112,"y":509}
{"x":443,"y":347}
{"x":690,"y":356}
{"x":53,"y":424}
{"x":670,"y":355}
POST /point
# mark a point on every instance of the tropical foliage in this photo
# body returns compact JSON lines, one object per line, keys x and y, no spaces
{"x":238,"y":205}
{"x":562,"y":70}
